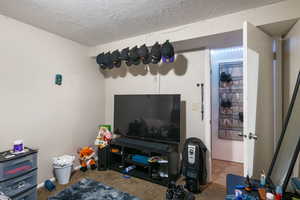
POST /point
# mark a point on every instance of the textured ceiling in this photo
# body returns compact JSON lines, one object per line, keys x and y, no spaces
{"x":93,"y":22}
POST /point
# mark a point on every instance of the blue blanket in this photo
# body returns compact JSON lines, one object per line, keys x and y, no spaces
{"x":87,"y":189}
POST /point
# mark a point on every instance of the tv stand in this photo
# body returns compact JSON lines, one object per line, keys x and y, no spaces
{"x":122,"y":151}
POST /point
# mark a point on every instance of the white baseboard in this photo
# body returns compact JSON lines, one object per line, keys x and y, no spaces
{"x":53,"y":178}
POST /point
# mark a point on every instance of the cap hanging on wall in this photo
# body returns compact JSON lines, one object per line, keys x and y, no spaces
{"x":115,"y":56}
{"x":137,"y":55}
{"x":100,"y":62}
{"x":143,"y":53}
{"x":167,"y":51}
{"x":155,"y":53}
{"x":125,"y":56}
{"x":107,"y":60}
{"x":134,"y":56}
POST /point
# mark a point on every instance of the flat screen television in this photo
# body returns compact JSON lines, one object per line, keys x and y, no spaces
{"x":148,"y":117}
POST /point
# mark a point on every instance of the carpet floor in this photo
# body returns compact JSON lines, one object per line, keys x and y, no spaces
{"x":134,"y":186}
{"x":221,"y":168}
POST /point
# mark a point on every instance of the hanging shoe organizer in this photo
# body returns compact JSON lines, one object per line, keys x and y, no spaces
{"x":231,"y":100}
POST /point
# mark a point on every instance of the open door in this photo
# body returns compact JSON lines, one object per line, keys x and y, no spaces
{"x":258,"y":100}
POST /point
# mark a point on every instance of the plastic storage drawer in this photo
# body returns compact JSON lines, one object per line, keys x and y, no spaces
{"x":15,"y":186}
{"x":17,"y":167}
{"x":29,"y":195}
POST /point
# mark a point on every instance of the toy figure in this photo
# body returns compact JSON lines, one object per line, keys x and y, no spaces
{"x":86,"y":158}
{"x":104,"y":136}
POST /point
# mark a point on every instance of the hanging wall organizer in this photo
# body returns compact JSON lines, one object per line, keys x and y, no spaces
{"x":231,"y":100}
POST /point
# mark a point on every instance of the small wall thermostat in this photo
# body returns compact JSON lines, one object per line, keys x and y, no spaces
{"x":58,"y":79}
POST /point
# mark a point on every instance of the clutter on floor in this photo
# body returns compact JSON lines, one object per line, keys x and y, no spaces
{"x":49,"y":185}
{"x":177,"y":192}
{"x":89,"y":189}
{"x":241,"y":188}
{"x":140,"y":188}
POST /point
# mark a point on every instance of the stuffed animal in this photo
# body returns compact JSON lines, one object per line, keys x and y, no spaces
{"x":86,"y":158}
{"x":104,"y":136}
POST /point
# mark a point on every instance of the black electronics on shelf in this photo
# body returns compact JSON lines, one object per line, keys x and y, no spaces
{"x":121,"y":152}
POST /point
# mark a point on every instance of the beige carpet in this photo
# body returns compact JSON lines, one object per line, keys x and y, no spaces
{"x":138,"y":187}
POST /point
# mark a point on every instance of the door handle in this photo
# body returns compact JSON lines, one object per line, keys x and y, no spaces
{"x":242,"y":135}
{"x":252,"y":136}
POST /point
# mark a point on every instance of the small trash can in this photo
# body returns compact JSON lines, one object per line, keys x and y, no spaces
{"x":62,"y":168}
{"x":63,"y":173}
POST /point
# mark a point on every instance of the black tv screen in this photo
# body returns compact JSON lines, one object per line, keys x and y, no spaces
{"x":148,"y":117}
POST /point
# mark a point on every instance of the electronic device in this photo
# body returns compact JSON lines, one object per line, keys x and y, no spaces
{"x":148,"y":117}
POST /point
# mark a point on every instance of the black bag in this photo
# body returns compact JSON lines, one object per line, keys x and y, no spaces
{"x":194,"y":169}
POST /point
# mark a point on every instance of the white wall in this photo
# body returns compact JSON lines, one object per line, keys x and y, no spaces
{"x":181,"y":77}
{"x":291,"y":65}
{"x":230,"y":150}
{"x":54,"y":119}
{"x":291,"y":68}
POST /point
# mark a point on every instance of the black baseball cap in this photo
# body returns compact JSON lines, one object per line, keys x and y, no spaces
{"x":155,"y":53}
{"x":125,"y":56}
{"x":99,"y":60}
{"x":115,"y":56}
{"x":167,"y":51}
{"x":134,"y":56}
{"x":144,"y":54}
{"x":107,"y":60}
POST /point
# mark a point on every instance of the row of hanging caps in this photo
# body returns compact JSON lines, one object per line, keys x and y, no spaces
{"x":135,"y":56}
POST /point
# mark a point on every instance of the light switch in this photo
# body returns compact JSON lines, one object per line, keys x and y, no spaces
{"x":195,"y":106}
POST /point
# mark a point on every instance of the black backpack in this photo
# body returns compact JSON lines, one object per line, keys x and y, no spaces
{"x":198,"y":169}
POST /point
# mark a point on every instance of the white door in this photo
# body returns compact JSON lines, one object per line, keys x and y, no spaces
{"x":258,"y":100}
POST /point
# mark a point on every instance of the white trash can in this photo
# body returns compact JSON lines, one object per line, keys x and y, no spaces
{"x":62,"y":168}
{"x":63,"y":173}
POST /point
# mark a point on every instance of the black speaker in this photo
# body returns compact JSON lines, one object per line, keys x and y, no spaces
{"x":104,"y":158}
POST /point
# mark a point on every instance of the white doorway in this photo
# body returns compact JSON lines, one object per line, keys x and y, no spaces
{"x":226,"y":113}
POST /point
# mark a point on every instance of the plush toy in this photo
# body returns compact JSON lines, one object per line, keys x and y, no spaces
{"x":103,"y":138}
{"x":86,"y":158}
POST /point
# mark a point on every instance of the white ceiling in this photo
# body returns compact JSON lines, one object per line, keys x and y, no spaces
{"x":93,"y":22}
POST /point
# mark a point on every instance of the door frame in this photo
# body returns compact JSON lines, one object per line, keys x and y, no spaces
{"x":207,"y":111}
{"x":208,"y":99}
{"x":213,"y":64}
